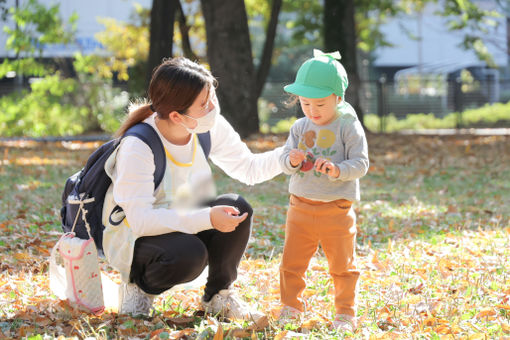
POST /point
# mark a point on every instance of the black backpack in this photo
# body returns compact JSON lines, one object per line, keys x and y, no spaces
{"x":85,"y":190}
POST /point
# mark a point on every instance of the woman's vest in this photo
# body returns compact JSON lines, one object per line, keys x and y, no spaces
{"x":184,"y":185}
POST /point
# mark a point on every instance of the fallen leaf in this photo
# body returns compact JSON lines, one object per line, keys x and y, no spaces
{"x":239,"y":333}
{"x":219,"y":333}
{"x":416,"y":290}
{"x":156,"y":333}
{"x":22,"y":256}
{"x":313,"y":323}
{"x":486,"y":312}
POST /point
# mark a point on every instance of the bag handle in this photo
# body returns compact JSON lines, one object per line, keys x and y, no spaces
{"x":57,"y":273}
{"x":84,"y":212}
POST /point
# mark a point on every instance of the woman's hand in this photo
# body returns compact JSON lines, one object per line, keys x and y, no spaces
{"x":296,"y":156}
{"x":225,"y":218}
{"x":326,"y":167}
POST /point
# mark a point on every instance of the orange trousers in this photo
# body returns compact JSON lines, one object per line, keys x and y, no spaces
{"x":333,"y":225}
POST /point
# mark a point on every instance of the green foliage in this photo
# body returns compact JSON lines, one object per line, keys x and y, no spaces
{"x":36,"y":26}
{"x":283,"y":125}
{"x":307,"y":22}
{"x":411,"y":122}
{"x":370,"y":15}
{"x":468,"y":16}
{"x":127,"y":44}
{"x":487,"y":116}
{"x":257,"y":9}
{"x":27,"y":66}
{"x":490,"y":115}
{"x":55,"y":105}
{"x":105,"y":103}
{"x":63,"y":106}
{"x":40,"y":111}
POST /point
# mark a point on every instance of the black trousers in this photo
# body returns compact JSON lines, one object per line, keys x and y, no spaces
{"x":163,"y":261}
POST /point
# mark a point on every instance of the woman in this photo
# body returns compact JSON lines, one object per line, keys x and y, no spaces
{"x":169,"y":235}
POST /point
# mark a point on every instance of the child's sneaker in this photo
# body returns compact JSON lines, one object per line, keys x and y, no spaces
{"x":226,"y":304}
{"x":345,"y":323}
{"x":133,"y":300}
{"x":289,"y":314}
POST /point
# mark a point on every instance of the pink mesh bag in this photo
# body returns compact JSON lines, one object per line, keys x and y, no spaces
{"x":74,"y":270}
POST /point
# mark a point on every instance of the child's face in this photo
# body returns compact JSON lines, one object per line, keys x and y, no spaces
{"x":321,"y":111}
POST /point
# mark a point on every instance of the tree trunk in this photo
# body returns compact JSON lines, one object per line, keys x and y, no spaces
{"x":340,"y":34}
{"x":230,"y":56}
{"x":161,"y":33}
{"x":267,"y":52}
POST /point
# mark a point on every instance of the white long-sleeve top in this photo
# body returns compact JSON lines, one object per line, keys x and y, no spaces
{"x":133,"y":187}
{"x":152,"y":212}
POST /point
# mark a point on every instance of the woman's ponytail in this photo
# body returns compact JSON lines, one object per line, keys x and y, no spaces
{"x":138,"y":112}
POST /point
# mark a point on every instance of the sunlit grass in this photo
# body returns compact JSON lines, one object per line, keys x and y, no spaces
{"x":433,"y":247}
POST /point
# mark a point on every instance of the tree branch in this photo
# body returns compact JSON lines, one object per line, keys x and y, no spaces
{"x":184,"y":28}
{"x":267,"y":52}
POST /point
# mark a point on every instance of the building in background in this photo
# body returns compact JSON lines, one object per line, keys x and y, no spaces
{"x":423,"y":38}
{"x":428,"y":71}
{"x":87,"y":24}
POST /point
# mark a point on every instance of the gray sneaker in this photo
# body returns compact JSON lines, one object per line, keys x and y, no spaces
{"x":226,"y":304}
{"x":133,"y":300}
{"x":345,"y":323}
{"x":289,"y":314}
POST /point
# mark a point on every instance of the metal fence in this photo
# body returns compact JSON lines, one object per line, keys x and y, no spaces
{"x":400,"y":99}
{"x":384,"y":98}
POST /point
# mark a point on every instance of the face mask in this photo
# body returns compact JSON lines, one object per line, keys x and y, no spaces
{"x":206,"y":122}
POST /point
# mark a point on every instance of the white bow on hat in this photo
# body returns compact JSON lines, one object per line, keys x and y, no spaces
{"x":334,"y":55}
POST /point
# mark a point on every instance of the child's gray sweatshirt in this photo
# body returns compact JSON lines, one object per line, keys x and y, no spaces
{"x":341,"y":141}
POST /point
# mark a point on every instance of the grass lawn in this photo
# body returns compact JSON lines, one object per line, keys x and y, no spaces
{"x":433,"y":247}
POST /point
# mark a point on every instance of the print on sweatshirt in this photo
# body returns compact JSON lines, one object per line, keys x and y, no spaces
{"x":316,"y":145}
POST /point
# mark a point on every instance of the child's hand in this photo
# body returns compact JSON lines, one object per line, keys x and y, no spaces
{"x":296,"y":156}
{"x":326,"y":167}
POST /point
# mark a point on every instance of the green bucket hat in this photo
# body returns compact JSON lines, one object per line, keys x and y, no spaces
{"x":320,"y":77}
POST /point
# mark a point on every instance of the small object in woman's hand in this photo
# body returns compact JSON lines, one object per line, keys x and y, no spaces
{"x":233,"y":213}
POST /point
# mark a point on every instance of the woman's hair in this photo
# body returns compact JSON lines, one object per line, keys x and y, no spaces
{"x":174,"y":86}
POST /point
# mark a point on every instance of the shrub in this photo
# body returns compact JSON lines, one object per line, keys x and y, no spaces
{"x":63,"y":106}
{"x":490,"y":115}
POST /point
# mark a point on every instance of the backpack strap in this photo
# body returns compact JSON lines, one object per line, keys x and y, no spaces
{"x":205,"y":142}
{"x":149,"y":136}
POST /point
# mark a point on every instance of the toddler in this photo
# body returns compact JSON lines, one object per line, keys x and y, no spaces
{"x":326,"y":153}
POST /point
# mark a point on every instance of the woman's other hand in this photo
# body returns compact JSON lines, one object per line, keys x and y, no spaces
{"x":225,"y":218}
